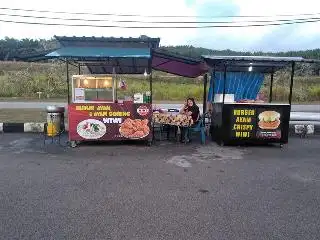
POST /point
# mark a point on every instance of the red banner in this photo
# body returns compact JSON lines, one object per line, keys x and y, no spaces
{"x":114,"y":121}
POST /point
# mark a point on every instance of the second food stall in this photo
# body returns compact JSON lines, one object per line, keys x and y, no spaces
{"x":238,"y":116}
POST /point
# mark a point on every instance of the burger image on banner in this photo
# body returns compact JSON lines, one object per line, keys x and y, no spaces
{"x":269,"y":120}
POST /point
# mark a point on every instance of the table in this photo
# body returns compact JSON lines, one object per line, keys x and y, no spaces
{"x":176,"y":120}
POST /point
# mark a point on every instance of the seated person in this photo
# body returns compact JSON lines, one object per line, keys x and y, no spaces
{"x":190,"y":108}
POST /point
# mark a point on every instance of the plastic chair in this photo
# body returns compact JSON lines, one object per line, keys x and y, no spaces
{"x":199,"y":127}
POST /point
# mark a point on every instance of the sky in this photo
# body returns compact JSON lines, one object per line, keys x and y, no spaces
{"x":268,"y":38}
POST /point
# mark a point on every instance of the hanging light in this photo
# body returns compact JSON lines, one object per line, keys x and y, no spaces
{"x":145,"y":73}
{"x":106,"y":83}
{"x":250,"y":69}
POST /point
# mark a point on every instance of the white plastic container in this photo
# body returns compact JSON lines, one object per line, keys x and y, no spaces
{"x":228,"y":98}
{"x":138,"y":98}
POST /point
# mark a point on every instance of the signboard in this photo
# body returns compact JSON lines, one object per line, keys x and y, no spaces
{"x":269,"y":123}
{"x":79,"y":94}
{"x":243,"y":122}
{"x":252,"y":122}
{"x":112,"y":121}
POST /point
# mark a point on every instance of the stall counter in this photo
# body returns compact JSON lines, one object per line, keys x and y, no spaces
{"x":238,"y":123}
{"x":109,"y":121}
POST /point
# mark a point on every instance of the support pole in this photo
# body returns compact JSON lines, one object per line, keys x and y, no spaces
{"x":114,"y":84}
{"x":205,"y":81}
{"x":212,"y":81}
{"x":150,"y":78}
{"x":68,"y":82}
{"x":271,"y":87}
{"x":224,"y":82}
{"x":79,"y":69}
{"x":150,"y":82}
{"x":291,"y":82}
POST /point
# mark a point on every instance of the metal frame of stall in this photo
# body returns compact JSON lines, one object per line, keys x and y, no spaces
{"x":183,"y":66}
{"x":262,"y":64}
{"x":106,"y":56}
{"x":160,"y":60}
{"x":80,"y":64}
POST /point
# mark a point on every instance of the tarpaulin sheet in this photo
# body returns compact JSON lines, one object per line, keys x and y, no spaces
{"x":244,"y":85}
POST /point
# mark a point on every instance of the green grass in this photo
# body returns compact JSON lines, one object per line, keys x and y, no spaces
{"x":22,"y":115}
{"x":20,"y":80}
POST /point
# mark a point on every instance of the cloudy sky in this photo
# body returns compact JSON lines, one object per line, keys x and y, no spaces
{"x":270,"y":38}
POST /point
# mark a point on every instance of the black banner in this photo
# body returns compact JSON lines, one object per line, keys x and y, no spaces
{"x":256,"y":122}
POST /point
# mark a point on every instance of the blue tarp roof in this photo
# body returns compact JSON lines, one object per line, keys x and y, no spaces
{"x":100,"y":52}
{"x":106,"y":55}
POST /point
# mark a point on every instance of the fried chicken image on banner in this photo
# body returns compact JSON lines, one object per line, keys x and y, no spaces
{"x":134,"y":128}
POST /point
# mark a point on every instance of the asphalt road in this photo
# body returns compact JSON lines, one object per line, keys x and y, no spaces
{"x":42,"y":105}
{"x":168,"y":191}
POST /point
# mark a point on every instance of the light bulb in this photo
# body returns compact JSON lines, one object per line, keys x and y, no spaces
{"x":85,"y":82}
{"x":250,"y":69}
{"x":145,"y":73}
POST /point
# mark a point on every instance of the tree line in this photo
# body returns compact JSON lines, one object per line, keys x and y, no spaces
{"x":13,"y":49}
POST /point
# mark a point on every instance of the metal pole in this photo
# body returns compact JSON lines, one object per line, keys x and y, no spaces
{"x":271,"y":87}
{"x":205,"y":81}
{"x":291,"y":82}
{"x":213,"y":78}
{"x":224,"y":82}
{"x":150,"y":78}
{"x":79,"y":69}
{"x":68,"y":87}
{"x":114,"y":84}
{"x":150,"y":81}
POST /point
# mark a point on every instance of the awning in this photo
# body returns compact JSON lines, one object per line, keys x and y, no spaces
{"x":176,"y":64}
{"x":107,"y":55}
{"x":123,"y":55}
{"x":101,"y":53}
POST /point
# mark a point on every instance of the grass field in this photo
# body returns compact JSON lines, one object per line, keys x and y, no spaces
{"x":20,"y":80}
{"x":22,"y":115}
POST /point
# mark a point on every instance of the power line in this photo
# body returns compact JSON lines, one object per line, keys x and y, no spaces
{"x":157,"y":22}
{"x":159,"y":27}
{"x":154,"y":16}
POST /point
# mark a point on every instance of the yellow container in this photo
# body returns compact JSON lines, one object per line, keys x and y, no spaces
{"x":55,"y":120}
{"x":51,"y":129}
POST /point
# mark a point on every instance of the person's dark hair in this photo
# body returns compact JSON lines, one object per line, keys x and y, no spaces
{"x":191,"y":99}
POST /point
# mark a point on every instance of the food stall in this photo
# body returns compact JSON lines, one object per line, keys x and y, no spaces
{"x":92,"y":66}
{"x":94,"y":113}
{"x":238,"y":116}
